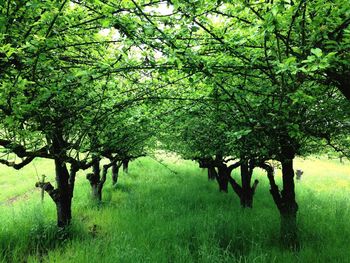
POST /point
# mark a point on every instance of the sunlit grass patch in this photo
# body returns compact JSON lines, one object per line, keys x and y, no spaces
{"x":170,"y":212}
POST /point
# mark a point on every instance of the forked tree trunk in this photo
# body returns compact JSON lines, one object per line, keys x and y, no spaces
{"x":97,"y":181}
{"x":62,"y":195}
{"x":285,"y":202}
{"x":208,"y":163}
{"x":248,"y":191}
{"x":245,"y":192}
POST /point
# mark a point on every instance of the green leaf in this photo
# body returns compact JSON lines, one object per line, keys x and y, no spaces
{"x":317,"y":52}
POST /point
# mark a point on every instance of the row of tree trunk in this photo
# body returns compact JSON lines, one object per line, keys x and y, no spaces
{"x":98,"y":179}
{"x":284,"y":200}
{"x":217,"y":169}
{"x":63,"y":193}
{"x":221,"y":172}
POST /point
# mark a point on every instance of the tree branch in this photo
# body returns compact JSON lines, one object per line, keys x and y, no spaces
{"x":47,"y":187}
{"x":276,"y":195}
{"x":17,"y":166}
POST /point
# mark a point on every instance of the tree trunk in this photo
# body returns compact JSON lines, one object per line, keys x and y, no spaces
{"x":64,"y":212}
{"x":96,"y":189}
{"x":246,"y":197}
{"x":222,"y":178}
{"x":289,"y":229}
{"x":94,"y":179}
{"x":115,"y":173}
{"x":248,"y":191}
{"x":285,"y":202}
{"x":212,"y":174}
{"x":288,"y":207}
{"x":126,"y":165}
{"x":97,"y":181}
{"x":342,"y":81}
{"x":63,"y":194}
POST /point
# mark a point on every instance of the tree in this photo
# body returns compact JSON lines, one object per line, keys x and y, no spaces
{"x":124,"y":136}
{"x":55,"y":81}
{"x":261,"y":58}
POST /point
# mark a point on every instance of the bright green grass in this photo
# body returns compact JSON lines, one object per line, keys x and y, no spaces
{"x":155,"y":215}
{"x":14,"y":183}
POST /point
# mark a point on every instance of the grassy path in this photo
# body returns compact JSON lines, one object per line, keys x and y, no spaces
{"x":21,"y":197}
{"x":155,"y":215}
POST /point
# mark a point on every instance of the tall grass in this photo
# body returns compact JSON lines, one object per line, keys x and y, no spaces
{"x":158,"y":215}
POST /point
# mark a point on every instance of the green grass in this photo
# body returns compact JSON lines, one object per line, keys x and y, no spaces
{"x":155,"y":215}
{"x":15,"y":183}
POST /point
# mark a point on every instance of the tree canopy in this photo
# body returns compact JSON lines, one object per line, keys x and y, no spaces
{"x":214,"y":81}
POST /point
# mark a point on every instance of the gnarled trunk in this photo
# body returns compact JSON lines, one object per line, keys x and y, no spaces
{"x":248,"y":191}
{"x":94,"y":179}
{"x":96,"y":190}
{"x":64,"y":211}
{"x":62,"y":195}
{"x":97,"y":181}
{"x":285,"y":202}
{"x":245,"y":192}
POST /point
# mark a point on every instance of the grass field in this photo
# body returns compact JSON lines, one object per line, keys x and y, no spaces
{"x":157,"y":214}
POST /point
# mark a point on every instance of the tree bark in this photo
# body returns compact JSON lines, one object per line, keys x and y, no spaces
{"x":126,"y":165}
{"x":285,"y":202}
{"x":94,"y":179}
{"x":247,"y":195}
{"x":289,"y":207}
{"x":115,"y":173}
{"x":97,"y":181}
{"x":246,"y":191}
{"x":222,"y":178}
{"x":212,"y":174}
{"x":341,"y":80}
{"x":63,"y":195}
